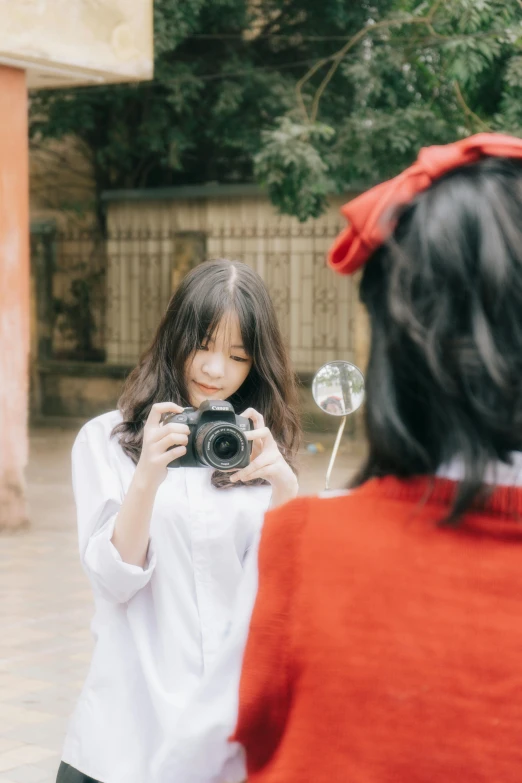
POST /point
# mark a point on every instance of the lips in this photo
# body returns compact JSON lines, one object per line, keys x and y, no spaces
{"x":207,"y":388}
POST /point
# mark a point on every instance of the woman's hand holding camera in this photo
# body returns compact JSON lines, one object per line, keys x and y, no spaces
{"x":267,"y":462}
{"x":162,"y":443}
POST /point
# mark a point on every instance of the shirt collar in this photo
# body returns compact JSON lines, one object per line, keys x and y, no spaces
{"x":497,"y":473}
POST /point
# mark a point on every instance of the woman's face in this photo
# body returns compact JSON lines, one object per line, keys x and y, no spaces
{"x":219,"y":368}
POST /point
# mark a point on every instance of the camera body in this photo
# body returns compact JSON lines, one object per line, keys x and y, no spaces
{"x":217,"y":437}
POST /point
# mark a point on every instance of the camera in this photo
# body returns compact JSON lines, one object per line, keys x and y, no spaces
{"x":217,"y":437}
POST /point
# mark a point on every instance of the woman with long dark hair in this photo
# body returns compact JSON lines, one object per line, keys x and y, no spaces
{"x":165,"y":549}
{"x":385,"y":642}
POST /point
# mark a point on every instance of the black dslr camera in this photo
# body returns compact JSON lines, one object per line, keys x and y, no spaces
{"x":217,"y":437}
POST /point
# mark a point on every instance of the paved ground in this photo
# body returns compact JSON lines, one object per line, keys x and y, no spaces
{"x":46,"y":606}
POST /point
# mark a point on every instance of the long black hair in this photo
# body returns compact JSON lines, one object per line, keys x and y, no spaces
{"x":207,"y":294}
{"x":444,"y":296}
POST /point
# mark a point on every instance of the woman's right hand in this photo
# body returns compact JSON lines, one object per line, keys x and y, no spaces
{"x":162,"y":443}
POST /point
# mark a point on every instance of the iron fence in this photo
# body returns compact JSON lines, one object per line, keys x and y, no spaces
{"x":100,"y":297}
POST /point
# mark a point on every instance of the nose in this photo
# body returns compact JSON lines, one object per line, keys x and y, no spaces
{"x":214,"y":365}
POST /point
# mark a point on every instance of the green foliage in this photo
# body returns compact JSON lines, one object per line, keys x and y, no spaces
{"x":227,"y":105}
{"x":290,"y":165}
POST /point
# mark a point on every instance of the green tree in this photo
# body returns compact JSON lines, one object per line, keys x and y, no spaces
{"x":424,"y":74}
{"x":304,"y":97}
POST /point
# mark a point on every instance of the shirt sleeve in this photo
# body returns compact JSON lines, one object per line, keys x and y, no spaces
{"x":98,"y":493}
{"x":234,"y":702}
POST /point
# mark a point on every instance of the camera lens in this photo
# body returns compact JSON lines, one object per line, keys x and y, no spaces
{"x":221,"y":445}
{"x":226,"y":446}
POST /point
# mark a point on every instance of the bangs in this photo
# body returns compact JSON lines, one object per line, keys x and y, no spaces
{"x":200,"y":316}
{"x":210,"y":307}
{"x":246,"y":316}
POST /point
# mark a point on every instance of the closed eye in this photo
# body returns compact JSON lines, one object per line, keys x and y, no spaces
{"x":239,"y":359}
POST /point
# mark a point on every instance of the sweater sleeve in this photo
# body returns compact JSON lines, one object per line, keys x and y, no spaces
{"x":268,"y":664}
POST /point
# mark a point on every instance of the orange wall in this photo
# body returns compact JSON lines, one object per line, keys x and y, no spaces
{"x":14,"y":294}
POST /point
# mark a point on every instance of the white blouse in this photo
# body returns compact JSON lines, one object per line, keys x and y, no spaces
{"x":158,"y":628}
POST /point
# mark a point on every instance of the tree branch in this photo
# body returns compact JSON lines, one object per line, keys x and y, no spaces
{"x":308,"y":75}
{"x":433,"y":10}
{"x":337,"y":58}
{"x":470,"y":114}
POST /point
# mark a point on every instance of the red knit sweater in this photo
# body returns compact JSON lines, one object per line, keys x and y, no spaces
{"x":383,"y":647}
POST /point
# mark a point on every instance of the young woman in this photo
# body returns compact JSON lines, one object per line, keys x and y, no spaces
{"x":164,"y":549}
{"x":385,"y":642}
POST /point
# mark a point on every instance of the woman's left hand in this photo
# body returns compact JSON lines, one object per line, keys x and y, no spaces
{"x":267,"y":462}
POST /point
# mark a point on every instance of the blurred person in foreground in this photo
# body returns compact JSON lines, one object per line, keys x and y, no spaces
{"x":385,"y":642}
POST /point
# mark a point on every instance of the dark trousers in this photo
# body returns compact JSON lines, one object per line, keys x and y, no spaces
{"x":67,"y":774}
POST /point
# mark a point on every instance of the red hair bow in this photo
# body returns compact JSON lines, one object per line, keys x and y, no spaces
{"x":372,"y":215}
